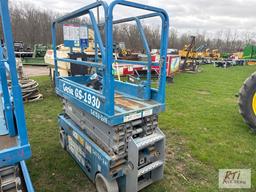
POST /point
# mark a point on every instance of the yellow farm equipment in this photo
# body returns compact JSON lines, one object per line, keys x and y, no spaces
{"x":188,"y":50}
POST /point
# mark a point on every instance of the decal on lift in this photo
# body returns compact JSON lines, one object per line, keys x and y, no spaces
{"x":71,"y":35}
{"x":132,"y":117}
{"x":76,"y":150}
{"x":99,"y":116}
{"x":135,"y":116}
{"x":147,"y":113}
{"x":78,"y":138}
{"x":99,"y":157}
{"x":82,"y":95}
{"x":88,"y":147}
{"x":75,"y":35}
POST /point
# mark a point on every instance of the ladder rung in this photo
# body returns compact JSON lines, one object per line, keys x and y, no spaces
{"x":8,"y":185}
{"x":149,"y":168}
{"x":7,"y":171}
{"x":149,"y":140}
{"x":144,"y":184}
{"x":8,"y":179}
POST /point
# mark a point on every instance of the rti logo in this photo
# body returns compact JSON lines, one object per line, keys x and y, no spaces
{"x":235,"y":178}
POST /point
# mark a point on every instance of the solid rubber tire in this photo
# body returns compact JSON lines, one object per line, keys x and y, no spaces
{"x":103,"y":185}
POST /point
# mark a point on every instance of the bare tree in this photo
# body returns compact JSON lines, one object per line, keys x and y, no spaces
{"x":33,"y":26}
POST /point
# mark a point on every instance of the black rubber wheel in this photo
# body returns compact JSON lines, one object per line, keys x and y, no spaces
{"x":63,"y":139}
{"x":103,"y":185}
{"x":247,"y":101}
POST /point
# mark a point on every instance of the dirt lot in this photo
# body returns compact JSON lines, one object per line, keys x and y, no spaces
{"x":32,"y":71}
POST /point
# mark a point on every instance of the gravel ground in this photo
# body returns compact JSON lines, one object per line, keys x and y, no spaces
{"x":33,"y":71}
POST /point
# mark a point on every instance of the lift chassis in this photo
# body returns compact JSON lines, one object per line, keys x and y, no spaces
{"x":112,"y":130}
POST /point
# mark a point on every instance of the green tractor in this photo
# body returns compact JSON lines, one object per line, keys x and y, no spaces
{"x":249,"y":52}
{"x":247,"y":101}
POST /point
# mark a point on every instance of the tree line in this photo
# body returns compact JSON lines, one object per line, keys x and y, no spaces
{"x":33,"y":26}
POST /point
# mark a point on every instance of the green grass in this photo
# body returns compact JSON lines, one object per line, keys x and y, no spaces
{"x":34,"y":61}
{"x":203,"y":127}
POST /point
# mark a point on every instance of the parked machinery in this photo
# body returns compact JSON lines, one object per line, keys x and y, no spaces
{"x":108,"y":126}
{"x":246,"y":57}
{"x":20,"y":50}
{"x":189,"y":57}
{"x":249,"y":54}
{"x":39,"y":50}
{"x":215,"y":54}
{"x":125,"y":54}
{"x":37,"y":57}
{"x":172,"y":67}
{"x":203,"y":54}
{"x":18,"y":46}
{"x":247,"y":101}
{"x":203,"y":51}
{"x":14,"y":145}
{"x":188,"y":50}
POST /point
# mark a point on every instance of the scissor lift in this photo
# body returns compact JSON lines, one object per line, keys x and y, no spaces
{"x":112,"y":131}
{"x":14,"y":146}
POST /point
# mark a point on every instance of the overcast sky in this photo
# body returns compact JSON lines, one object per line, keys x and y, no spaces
{"x":185,"y":15}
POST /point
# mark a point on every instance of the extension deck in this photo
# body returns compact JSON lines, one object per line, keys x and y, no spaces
{"x":126,"y":107}
{"x":7,"y":142}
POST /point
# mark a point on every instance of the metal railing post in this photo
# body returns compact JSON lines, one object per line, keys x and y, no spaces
{"x":6,"y":96}
{"x":109,"y":87}
{"x":146,"y":46}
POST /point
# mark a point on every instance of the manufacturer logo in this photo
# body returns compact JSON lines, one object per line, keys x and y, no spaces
{"x":83,"y":96}
{"x":235,"y":178}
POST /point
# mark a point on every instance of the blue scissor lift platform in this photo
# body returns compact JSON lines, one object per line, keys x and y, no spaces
{"x":14,"y":146}
{"x":110,"y":127}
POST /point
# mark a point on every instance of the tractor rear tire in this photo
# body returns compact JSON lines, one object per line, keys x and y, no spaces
{"x":247,"y":102}
{"x":103,"y":185}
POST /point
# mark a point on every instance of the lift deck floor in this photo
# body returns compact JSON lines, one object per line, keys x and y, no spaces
{"x":7,"y":142}
{"x":125,"y":104}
